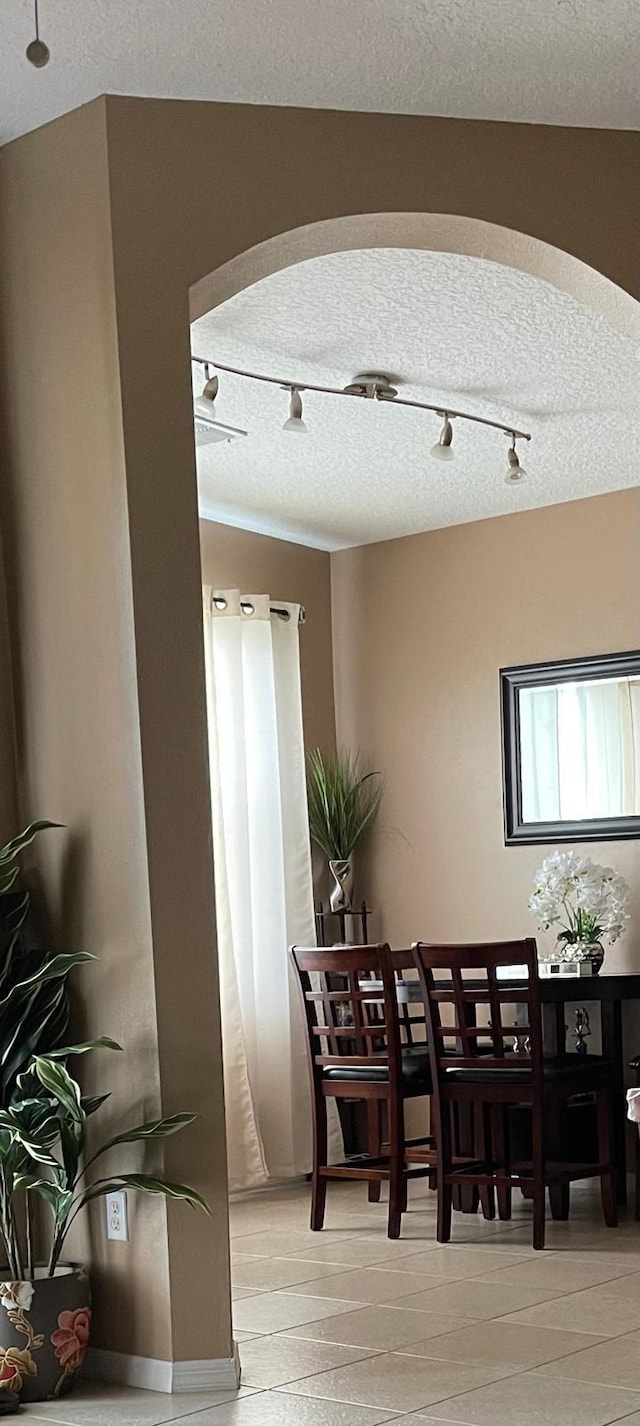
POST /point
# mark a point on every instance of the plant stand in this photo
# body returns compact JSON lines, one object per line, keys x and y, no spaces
{"x":326,"y":925}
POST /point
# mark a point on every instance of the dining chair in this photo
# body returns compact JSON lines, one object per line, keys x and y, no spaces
{"x":356,"y":1049}
{"x":468,"y":993}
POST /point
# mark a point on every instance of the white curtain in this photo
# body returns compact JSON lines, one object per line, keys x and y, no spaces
{"x":264,"y":893}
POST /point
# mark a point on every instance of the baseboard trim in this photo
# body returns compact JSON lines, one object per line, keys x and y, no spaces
{"x":153,"y":1374}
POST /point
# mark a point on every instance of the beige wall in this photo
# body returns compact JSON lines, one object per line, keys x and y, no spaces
{"x":108,"y":217}
{"x":78,"y":740}
{"x":421,"y":627}
{"x":259,"y":564}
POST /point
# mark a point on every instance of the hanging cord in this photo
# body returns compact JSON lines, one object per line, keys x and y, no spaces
{"x":37,"y":52}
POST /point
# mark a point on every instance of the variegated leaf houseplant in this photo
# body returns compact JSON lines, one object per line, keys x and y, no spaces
{"x":45,"y":1308}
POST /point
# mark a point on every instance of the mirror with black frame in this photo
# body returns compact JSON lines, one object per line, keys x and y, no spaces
{"x":571,"y":749}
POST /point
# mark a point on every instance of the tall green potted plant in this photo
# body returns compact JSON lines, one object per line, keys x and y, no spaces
{"x":45,"y":1308}
{"x":343,"y":798}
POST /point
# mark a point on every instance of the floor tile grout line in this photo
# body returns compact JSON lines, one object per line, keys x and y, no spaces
{"x":590,"y":1381}
{"x":507,"y":1376}
{"x":444,"y":1400}
{"x":366,"y":1355}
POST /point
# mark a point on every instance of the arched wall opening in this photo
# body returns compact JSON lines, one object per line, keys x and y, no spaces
{"x":468,"y":236}
{"x":434,"y":232}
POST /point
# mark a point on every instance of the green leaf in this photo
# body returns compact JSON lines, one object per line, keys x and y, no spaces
{"x":59,"y":1199}
{"x":42,"y":1018}
{"x":71,"y":1143}
{"x":343,"y":800}
{"x":32,"y":1145}
{"x":144,"y":1183}
{"x":102,"y":1043}
{"x":50,"y":970}
{"x":92,"y":1102}
{"x":24,"y":839}
{"x":7,"y":879}
{"x":55,"y":1078}
{"x":154,"y":1129}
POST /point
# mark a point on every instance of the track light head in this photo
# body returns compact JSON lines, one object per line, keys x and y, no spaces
{"x":205,"y":403}
{"x":442,"y":449}
{"x":515,"y":472}
{"x":295,"y":421}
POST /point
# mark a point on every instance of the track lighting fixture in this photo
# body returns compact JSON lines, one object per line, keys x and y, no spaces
{"x":37,"y":52}
{"x":205,"y":404}
{"x":515,"y":472}
{"x":442,"y":449}
{"x":371,"y":385}
{"x":295,"y":421}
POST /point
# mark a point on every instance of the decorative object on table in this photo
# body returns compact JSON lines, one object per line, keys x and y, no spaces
{"x":566,"y":969}
{"x":587,"y":900}
{"x":582,"y":1030}
{"x":344,"y":798}
{"x":9,"y":1403}
{"x":45,"y":1310}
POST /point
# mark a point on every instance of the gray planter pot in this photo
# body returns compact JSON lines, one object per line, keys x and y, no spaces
{"x":44,"y":1333}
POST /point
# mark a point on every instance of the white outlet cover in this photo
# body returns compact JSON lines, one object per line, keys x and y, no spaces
{"x":116,"y":1209}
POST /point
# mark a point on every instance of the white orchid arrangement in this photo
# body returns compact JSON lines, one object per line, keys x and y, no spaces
{"x":587,"y":900}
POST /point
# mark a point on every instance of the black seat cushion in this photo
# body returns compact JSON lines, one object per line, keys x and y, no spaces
{"x":415,"y":1069}
{"x":556,"y":1068}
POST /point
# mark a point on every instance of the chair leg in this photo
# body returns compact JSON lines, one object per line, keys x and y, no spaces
{"x":397,"y":1169}
{"x":483,"y":1148}
{"x":318,"y":1181}
{"x":560,"y":1190}
{"x":604,"y":1111}
{"x":538,"y":1158}
{"x":444,"y":1190}
{"x":499,"y":1136}
{"x":374,"y":1109}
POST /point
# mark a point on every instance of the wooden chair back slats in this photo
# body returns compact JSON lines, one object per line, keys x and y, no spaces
{"x":350,"y":1026}
{"x":412,"y":1018}
{"x":464,"y":980}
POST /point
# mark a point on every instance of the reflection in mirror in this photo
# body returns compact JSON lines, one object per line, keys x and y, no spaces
{"x":571,"y":749}
{"x":580,"y":750}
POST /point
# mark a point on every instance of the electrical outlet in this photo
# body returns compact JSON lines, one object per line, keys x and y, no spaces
{"x":116,"y":1206}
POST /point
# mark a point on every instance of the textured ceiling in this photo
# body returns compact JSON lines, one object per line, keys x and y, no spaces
{"x":459,"y":331}
{"x":536,"y":61}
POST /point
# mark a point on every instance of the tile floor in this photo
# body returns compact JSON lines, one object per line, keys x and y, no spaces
{"x":345,"y":1328}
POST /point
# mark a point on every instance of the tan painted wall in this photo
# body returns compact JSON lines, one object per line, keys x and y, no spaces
{"x":8,"y":798}
{"x":421,"y":627}
{"x":259,"y":564}
{"x":76,"y":709}
{"x":121,"y":746}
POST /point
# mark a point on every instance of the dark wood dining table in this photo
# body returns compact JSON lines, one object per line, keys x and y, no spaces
{"x":556,"y":992}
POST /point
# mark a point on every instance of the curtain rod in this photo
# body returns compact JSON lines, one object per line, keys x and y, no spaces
{"x":248,"y":608}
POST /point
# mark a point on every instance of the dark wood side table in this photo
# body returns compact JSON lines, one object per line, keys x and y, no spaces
{"x":607,"y":991}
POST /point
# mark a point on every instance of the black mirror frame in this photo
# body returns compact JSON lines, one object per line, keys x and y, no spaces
{"x":517,"y":832}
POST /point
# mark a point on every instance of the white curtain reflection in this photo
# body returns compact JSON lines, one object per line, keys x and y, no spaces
{"x":580,"y":750}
